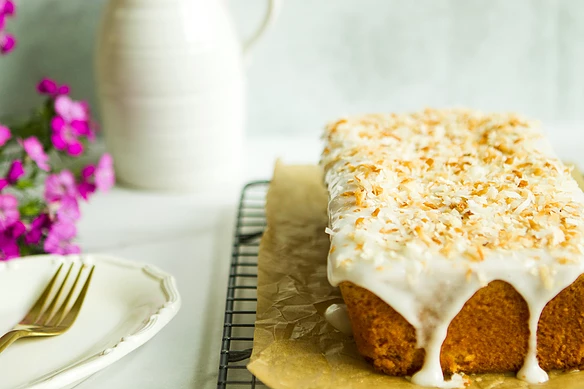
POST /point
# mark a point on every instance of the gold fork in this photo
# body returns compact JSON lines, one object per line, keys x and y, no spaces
{"x":53,"y":320}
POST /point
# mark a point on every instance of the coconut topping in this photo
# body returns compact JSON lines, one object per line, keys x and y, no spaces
{"x":457,"y":182}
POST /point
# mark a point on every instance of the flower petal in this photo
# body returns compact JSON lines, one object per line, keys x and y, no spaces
{"x":8,"y":8}
{"x":47,"y":86}
{"x":37,"y":228}
{"x":8,"y":248}
{"x":15,"y":172}
{"x":80,"y":127}
{"x":17,"y":229}
{"x":63,"y":106}
{"x":58,"y":142}
{"x":63,"y":230}
{"x":63,"y":90}
{"x":4,"y":135}
{"x":8,"y":211}
{"x":69,"y":109}
{"x":7,"y":44}
{"x":33,"y":236}
{"x":58,"y":123}
{"x":104,"y":174}
{"x":86,"y":189}
{"x":58,"y":186}
{"x":71,"y":248}
{"x":79,"y":110}
{"x":68,"y":210}
{"x":75,"y":148}
{"x":33,"y":147}
{"x":88,"y":172}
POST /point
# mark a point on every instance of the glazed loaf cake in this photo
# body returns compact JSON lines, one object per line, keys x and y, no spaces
{"x":457,"y":239}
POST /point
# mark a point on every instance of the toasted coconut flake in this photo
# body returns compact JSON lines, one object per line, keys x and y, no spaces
{"x":461,"y":183}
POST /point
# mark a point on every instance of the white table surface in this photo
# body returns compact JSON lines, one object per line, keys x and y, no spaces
{"x":190,"y":236}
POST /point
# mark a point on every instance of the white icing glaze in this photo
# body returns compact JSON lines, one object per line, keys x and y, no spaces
{"x":337,"y":316}
{"x":456,"y":382}
{"x":425,"y":286}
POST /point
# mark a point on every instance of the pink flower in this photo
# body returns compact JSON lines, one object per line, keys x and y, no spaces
{"x":15,"y":230}
{"x":4,"y":135}
{"x":33,"y":147}
{"x":38,"y":227}
{"x":58,"y":186}
{"x":8,"y":241}
{"x":71,"y":110}
{"x":87,"y":185}
{"x":8,"y":248}
{"x":71,"y":122}
{"x":7,"y":42}
{"x":6,"y":7}
{"x":104,"y":174}
{"x":59,"y":239}
{"x":65,"y":135}
{"x":8,"y":211}
{"x":101,"y":177}
{"x":15,"y":172}
{"x":68,"y":210}
{"x":49,"y":87}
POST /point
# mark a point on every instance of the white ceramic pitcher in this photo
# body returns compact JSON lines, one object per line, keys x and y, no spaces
{"x":170,"y":81}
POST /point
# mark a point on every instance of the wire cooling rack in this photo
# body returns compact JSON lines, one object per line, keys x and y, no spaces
{"x":240,"y":304}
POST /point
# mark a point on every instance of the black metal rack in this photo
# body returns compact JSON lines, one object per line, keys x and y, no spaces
{"x":240,"y":304}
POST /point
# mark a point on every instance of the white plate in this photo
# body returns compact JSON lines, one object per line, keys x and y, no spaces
{"x":126,"y":305}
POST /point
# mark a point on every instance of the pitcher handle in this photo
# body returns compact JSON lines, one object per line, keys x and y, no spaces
{"x":269,"y":18}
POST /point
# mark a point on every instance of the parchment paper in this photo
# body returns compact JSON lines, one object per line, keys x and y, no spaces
{"x":294,"y":346}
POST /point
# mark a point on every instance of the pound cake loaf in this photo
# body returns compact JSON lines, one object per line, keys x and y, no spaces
{"x":457,"y":239}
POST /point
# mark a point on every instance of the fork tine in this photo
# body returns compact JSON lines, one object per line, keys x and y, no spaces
{"x":38,"y":305}
{"x":46,"y":315}
{"x":70,"y":317}
{"x":58,"y":316}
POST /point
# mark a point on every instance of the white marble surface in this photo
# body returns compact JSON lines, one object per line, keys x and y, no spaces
{"x":190,"y":236}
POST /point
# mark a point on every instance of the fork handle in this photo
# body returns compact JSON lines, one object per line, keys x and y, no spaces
{"x":10,"y":337}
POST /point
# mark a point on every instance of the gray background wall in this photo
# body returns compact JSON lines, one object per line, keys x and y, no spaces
{"x":325,"y":58}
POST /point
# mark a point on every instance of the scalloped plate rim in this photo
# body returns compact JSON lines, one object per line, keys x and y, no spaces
{"x":80,"y":370}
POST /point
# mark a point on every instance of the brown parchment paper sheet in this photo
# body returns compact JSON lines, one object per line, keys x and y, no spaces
{"x":294,"y":346}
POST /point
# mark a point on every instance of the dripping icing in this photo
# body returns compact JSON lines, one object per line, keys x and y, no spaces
{"x":337,"y":316}
{"x":409,"y":303}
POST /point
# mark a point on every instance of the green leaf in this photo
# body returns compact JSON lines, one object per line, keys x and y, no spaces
{"x":32,"y":208}
{"x":25,"y":250}
{"x":24,"y":184}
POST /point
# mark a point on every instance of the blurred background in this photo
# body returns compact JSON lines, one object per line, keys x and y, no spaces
{"x":327,"y":58}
